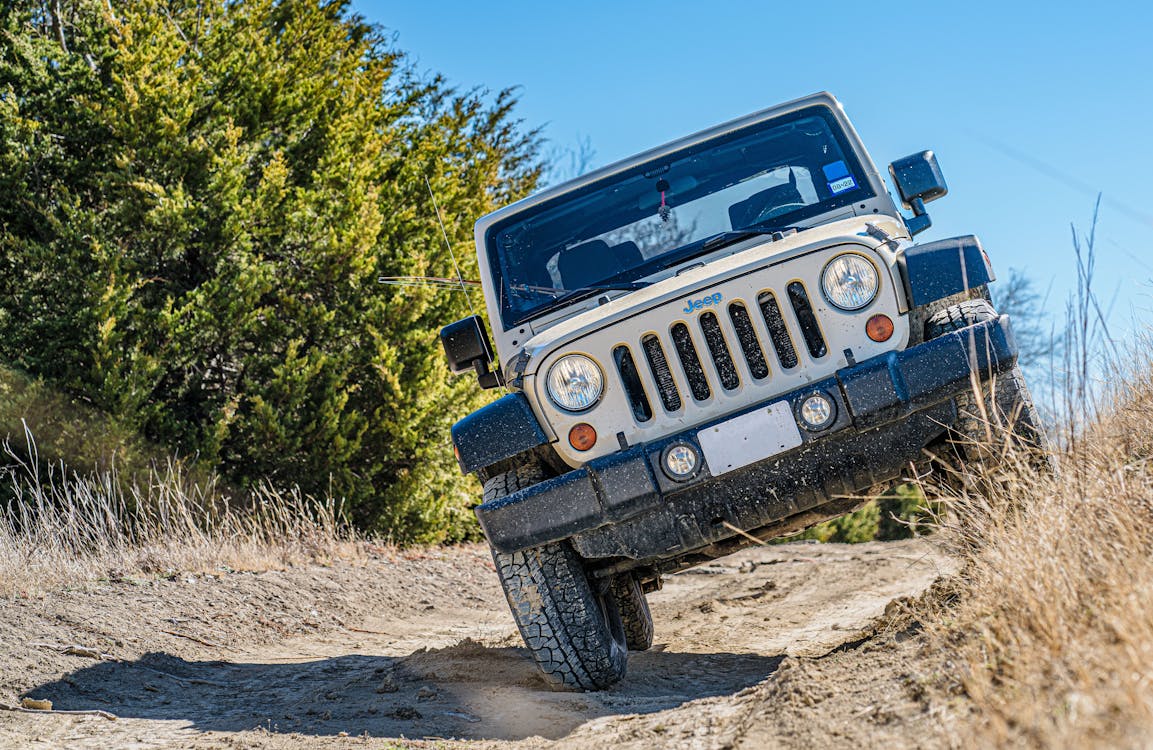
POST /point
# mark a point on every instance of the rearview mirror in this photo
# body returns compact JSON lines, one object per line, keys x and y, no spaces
{"x":919,"y":180}
{"x":466,"y":347}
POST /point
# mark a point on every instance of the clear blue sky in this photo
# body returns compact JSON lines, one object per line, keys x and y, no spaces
{"x":1032,"y":108}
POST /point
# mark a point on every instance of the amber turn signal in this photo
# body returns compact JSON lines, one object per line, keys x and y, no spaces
{"x":879,"y":328}
{"x":582,"y":436}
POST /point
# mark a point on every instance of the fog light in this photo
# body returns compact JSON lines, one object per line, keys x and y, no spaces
{"x":582,"y":436}
{"x":681,"y":461}
{"x":818,"y":412}
{"x":879,"y":328}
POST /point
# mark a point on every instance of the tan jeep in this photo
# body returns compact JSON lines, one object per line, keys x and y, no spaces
{"x":721,"y":340}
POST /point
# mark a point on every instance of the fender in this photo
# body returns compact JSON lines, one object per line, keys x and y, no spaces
{"x":940,"y":269}
{"x":503,"y":429}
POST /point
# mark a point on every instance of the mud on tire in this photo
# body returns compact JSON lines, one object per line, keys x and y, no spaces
{"x":574,"y":632}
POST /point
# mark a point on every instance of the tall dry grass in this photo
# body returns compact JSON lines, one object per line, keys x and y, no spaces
{"x":1053,"y":623}
{"x":61,"y":528}
{"x":1049,"y":636}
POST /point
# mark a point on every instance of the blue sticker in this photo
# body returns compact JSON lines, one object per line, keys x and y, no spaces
{"x":835,"y":171}
{"x":841,"y":185}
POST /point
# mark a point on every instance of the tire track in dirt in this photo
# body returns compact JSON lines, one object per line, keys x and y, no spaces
{"x":453,"y":666}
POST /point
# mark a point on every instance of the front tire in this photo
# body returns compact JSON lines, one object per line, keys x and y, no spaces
{"x":1001,"y":410}
{"x":573,"y":630}
{"x":575,"y":635}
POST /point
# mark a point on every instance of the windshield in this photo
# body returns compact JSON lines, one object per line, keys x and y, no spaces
{"x":633,"y":224}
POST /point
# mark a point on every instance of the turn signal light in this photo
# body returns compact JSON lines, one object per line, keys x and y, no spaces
{"x":879,"y":328}
{"x":582,"y":436}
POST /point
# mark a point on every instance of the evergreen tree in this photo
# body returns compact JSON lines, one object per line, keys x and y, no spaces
{"x":196,"y":198}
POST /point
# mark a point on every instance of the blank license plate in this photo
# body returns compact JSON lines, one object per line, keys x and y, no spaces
{"x":749,"y":438}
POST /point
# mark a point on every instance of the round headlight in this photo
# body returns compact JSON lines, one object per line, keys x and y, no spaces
{"x":575,"y":382}
{"x":850,"y":281}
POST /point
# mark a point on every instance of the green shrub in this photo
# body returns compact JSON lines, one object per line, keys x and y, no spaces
{"x":901,"y":513}
{"x":196,"y":200}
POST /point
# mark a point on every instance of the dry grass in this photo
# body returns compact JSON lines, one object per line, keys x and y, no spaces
{"x":64,"y":529}
{"x":1049,"y":638}
{"x":1052,"y":629}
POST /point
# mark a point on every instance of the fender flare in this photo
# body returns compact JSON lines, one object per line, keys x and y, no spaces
{"x":936,"y":270}
{"x":505,"y":428}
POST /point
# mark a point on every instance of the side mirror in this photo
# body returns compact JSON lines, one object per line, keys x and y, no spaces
{"x":466,"y":347}
{"x":919,"y":180}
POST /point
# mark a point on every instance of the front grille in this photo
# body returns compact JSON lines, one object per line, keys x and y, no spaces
{"x":690,"y":362}
{"x":810,"y":329}
{"x":705,"y":371}
{"x":750,"y":344}
{"x":631,"y":380}
{"x":719,"y":350}
{"x":655,"y":354}
{"x":778,"y":330}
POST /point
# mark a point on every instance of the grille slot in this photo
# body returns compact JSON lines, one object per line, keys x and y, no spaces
{"x":659,"y":364}
{"x":631,"y":380}
{"x":778,"y":331}
{"x":810,"y":329}
{"x":690,"y":362}
{"x":727,"y":353}
{"x":747,"y":338}
{"x":722,"y":357}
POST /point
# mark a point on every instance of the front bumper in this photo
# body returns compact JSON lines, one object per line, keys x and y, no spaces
{"x":888,"y":409}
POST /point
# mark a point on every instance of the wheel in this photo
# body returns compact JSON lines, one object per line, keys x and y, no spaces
{"x":634,"y":610}
{"x":574,"y":632}
{"x":575,"y":635}
{"x":1003,"y":411}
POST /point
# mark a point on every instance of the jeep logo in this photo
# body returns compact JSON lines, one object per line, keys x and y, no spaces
{"x":697,"y":304}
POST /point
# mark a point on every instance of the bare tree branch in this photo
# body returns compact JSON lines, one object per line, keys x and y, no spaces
{"x":58,"y":24}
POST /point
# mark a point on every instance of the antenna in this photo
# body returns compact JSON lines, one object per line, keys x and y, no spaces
{"x":459,"y":275}
{"x":431,"y":282}
{"x":451,"y":252}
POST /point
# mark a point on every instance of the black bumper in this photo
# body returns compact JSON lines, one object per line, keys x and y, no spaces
{"x":888,"y":409}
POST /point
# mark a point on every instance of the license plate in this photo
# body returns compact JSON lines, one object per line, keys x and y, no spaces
{"x":749,"y":438}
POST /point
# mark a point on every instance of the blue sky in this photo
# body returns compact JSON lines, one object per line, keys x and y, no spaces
{"x":1032,"y":108}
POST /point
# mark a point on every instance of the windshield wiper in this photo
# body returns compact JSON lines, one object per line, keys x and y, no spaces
{"x":565,"y":295}
{"x":717,"y":241}
{"x":723,"y":239}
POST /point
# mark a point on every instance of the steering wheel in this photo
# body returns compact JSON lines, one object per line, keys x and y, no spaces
{"x":775,"y":211}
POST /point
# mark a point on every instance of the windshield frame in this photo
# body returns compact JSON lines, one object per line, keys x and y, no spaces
{"x":673,"y":256}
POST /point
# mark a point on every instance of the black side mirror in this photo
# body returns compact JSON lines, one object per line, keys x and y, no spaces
{"x":919,"y":180}
{"x":466,"y":347}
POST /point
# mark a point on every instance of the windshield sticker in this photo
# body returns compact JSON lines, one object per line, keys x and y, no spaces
{"x":697,"y":304}
{"x":836,"y":171}
{"x":840,"y":186}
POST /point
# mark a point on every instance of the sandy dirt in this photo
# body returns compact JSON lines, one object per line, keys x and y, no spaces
{"x":785,"y":646}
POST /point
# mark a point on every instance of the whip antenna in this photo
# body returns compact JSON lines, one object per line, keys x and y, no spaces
{"x":451,"y":252}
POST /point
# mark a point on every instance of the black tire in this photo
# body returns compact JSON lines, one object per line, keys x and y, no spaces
{"x":574,"y":632}
{"x":509,"y":482}
{"x":634,"y":609}
{"x":1004,"y":408}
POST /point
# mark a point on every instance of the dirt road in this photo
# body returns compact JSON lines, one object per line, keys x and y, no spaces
{"x":422,"y":647}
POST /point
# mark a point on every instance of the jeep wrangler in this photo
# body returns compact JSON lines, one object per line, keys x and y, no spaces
{"x":714,"y":343}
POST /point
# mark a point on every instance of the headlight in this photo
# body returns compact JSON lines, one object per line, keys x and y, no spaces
{"x":575,"y":382}
{"x":849,"y":281}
